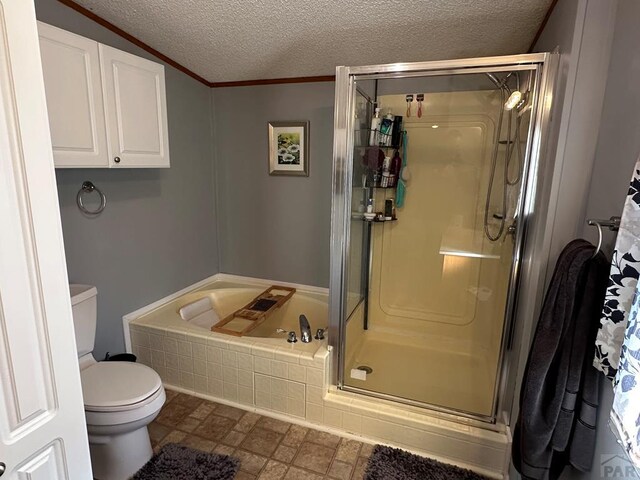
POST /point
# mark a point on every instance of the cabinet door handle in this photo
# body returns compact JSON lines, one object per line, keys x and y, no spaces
{"x":116,"y":159}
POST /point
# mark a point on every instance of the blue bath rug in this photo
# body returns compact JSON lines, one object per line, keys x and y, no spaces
{"x":175,"y":462}
{"x":388,"y":463}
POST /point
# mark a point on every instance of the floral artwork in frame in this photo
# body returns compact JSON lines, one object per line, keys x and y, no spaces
{"x":289,"y":148}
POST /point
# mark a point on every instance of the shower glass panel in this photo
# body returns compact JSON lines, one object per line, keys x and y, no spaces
{"x":428,"y":289}
{"x":358,"y":231}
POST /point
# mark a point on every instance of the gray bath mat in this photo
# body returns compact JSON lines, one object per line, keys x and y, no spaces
{"x":388,"y":463}
{"x":175,"y":462}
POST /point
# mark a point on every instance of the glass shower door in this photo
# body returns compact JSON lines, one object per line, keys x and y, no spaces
{"x":429,"y":290}
{"x":358,"y":230}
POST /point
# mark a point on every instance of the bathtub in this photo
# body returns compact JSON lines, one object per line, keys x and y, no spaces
{"x":228,"y":296}
{"x":225,"y":301}
{"x":260,"y":370}
{"x":185,"y":352}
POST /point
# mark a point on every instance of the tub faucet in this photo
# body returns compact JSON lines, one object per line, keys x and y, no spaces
{"x":305,"y":329}
{"x":320,"y":333}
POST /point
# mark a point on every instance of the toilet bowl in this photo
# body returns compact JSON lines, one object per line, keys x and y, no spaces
{"x":120,"y":399}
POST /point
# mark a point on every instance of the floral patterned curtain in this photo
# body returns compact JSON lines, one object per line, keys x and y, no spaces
{"x":623,"y":280}
{"x":625,"y":413}
{"x":618,"y":340}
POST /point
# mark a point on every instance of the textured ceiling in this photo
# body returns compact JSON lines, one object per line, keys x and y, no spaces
{"x":261,"y":39}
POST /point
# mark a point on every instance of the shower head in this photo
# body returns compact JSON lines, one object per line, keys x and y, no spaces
{"x":515,"y":100}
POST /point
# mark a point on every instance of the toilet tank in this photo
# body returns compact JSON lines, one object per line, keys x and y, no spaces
{"x":84,"y":307}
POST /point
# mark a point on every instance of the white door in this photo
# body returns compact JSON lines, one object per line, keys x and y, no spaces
{"x":42,"y":426}
{"x":72,"y":81}
{"x":136,"y":106}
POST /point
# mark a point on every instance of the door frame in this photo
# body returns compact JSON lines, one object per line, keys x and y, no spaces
{"x":527,"y":271}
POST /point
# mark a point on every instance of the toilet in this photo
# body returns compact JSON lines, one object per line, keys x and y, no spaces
{"x":120,"y":398}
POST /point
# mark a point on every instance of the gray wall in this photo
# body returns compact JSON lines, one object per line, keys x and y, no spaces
{"x":619,"y":138}
{"x":616,"y":153}
{"x":583,"y":29}
{"x":273,"y":227}
{"x":158,"y":232}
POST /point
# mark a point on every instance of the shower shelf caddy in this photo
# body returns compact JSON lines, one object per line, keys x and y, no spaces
{"x":371,"y":189}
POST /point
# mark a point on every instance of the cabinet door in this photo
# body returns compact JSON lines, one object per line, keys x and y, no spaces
{"x":136,"y":107}
{"x":73,"y":85}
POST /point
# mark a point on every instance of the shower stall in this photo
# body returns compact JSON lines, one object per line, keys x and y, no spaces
{"x":431,"y":202}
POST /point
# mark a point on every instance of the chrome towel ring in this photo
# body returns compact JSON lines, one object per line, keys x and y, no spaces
{"x":88,"y":187}
{"x":599,"y":247}
{"x":612,"y":224}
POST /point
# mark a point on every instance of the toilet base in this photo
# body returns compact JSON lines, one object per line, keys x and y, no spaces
{"x":118,"y":457}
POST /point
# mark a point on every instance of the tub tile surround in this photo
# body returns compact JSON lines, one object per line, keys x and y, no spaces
{"x":292,"y":382}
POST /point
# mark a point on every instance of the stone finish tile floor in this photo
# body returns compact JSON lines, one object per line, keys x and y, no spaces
{"x":268,"y":449}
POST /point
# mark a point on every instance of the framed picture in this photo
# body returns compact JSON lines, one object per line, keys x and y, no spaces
{"x":289,"y":148}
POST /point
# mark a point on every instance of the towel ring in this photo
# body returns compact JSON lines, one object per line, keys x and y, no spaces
{"x":613,"y":224}
{"x":597,"y":224}
{"x":88,"y":187}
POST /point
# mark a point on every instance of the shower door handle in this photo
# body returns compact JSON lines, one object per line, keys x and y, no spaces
{"x":511,"y":301}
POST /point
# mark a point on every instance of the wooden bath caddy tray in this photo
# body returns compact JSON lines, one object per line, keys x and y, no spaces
{"x":255,"y":312}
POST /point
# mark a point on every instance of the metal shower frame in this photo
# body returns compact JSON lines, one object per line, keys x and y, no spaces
{"x":544,"y":66}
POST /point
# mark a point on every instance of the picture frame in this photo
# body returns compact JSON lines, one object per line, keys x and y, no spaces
{"x":289,"y":148}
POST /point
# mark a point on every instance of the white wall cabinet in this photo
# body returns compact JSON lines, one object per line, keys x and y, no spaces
{"x":71,"y":70}
{"x":107,"y":108}
{"x":136,"y":108}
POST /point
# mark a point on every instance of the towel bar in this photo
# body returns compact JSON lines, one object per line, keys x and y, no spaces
{"x":612,"y":224}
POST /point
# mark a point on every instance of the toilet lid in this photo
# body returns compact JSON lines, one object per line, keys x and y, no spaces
{"x":114,"y":384}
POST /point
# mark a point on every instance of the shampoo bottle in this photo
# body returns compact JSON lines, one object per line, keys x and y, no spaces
{"x":386,"y":127}
{"x":386,"y":165}
{"x":374,"y":137}
{"x":394,"y":170}
{"x":396,"y":133}
{"x":388,"y":209}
